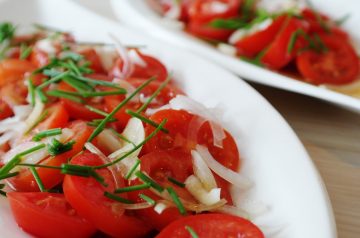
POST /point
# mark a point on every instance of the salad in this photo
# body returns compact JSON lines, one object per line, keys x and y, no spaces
{"x":293,"y":39}
{"x":97,"y":140}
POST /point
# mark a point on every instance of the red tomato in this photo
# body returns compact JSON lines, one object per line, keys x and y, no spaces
{"x":153,"y":68}
{"x":203,"y":30}
{"x":206,"y":10}
{"x":48,"y":215}
{"x":25,"y":181}
{"x":212,"y":225}
{"x":14,"y":93}
{"x":252,"y":45}
{"x":5,"y":110}
{"x":12,"y":70}
{"x":277,"y":55}
{"x":338,"y":65}
{"x":39,"y":58}
{"x":57,"y":117}
{"x":91,"y":56}
{"x":87,"y":197}
{"x":78,"y":110}
{"x":160,"y":165}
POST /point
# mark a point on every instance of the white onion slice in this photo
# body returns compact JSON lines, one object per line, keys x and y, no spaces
{"x":123,"y":52}
{"x":227,"y":49}
{"x":35,"y":114}
{"x":175,"y":10}
{"x":160,"y":207}
{"x":195,"y":187}
{"x":46,"y":45}
{"x":108,"y":140}
{"x":151,"y":111}
{"x":136,"y":58}
{"x":107,"y":56}
{"x":202,"y":172}
{"x":241,"y":33}
{"x":234,"y":178}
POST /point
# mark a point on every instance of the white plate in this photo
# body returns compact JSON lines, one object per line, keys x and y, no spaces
{"x":284,"y":176}
{"x":138,"y":14}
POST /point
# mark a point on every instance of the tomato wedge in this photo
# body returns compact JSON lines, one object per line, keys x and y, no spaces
{"x":57,"y":117}
{"x":25,"y":181}
{"x":5,"y":110}
{"x":48,"y":215}
{"x":212,"y":225}
{"x":338,"y":65}
{"x":277,"y":55}
{"x":12,"y":70}
{"x":86,"y":195}
{"x":94,"y":59}
{"x":203,"y":30}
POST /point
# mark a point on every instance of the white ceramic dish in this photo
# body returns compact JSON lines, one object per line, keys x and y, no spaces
{"x":138,"y":14}
{"x":284,"y":176}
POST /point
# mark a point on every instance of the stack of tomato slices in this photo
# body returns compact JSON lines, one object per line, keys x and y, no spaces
{"x":90,"y":147}
{"x":301,"y":41}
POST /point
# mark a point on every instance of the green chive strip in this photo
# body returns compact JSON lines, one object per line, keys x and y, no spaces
{"x":155,"y":94}
{"x":98,"y":111}
{"x":97,"y":82}
{"x":93,"y":94}
{"x":31,"y":89}
{"x":25,"y":51}
{"x":133,"y":188}
{"x":64,"y":94}
{"x":122,"y":137}
{"x":176,"y":200}
{"x":17,"y":159}
{"x":37,"y":122}
{"x":82,"y":171}
{"x":117,"y":198}
{"x":54,"y":79}
{"x":41,"y":95}
{"x":9,"y":175}
{"x":144,"y":119}
{"x":56,"y":147}
{"x":146,"y":179}
{"x":38,"y":179}
{"x":147,"y":199}
{"x":176,"y":182}
{"x":135,"y":148}
{"x":39,"y":166}
{"x":47,"y":133}
{"x":103,"y":123}
{"x":132,"y":170}
{"x":192,"y":232}
{"x":78,"y":85}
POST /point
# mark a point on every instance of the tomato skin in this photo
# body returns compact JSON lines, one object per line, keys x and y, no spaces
{"x":91,"y":56}
{"x":86,"y":195}
{"x":253,"y":44}
{"x":339,"y":65}
{"x":48,"y":215}
{"x":277,"y":55}
{"x":58,"y":118}
{"x":12,"y":70}
{"x":25,"y":181}
{"x":212,"y":225}
{"x":203,"y":30}
{"x":5,"y":110}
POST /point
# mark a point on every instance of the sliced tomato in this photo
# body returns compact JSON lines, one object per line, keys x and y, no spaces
{"x":48,"y":215}
{"x":253,"y":44}
{"x":57,"y":117}
{"x":94,"y":59}
{"x":5,"y":110}
{"x":207,"y":10}
{"x":86,"y":195}
{"x":39,"y":58}
{"x":212,"y":225}
{"x":12,"y":70}
{"x":160,"y":165}
{"x":25,"y":181}
{"x":153,"y":68}
{"x":207,"y":32}
{"x":277,"y":55}
{"x":78,"y":110}
{"x":338,"y":65}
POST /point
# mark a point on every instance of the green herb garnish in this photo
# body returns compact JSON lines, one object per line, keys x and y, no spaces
{"x":55,"y":147}
{"x":47,"y":133}
{"x":176,"y":200}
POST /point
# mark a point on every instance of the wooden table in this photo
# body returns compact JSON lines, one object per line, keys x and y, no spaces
{"x":330,"y":134}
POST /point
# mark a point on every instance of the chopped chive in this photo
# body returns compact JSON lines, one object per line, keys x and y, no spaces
{"x":176,"y":182}
{"x":155,"y":94}
{"x":122,"y":137}
{"x":144,"y":119}
{"x":192,"y":232}
{"x":82,"y":171}
{"x":47,"y":133}
{"x":147,"y":199}
{"x":55,"y":78}
{"x":95,"y":94}
{"x":117,"y":198}
{"x":17,"y":159}
{"x":133,"y":188}
{"x":9,"y":175}
{"x":70,"y":65}
{"x":40,"y":119}
{"x":64,"y":94}
{"x":55,"y":147}
{"x":176,"y":200}
{"x":135,"y":147}
{"x":38,"y":179}
{"x":40,"y":166}
{"x":103,"y":123}
{"x":293,"y":39}
{"x":41,"y":95}
{"x":149,"y":180}
{"x":78,"y":85}
{"x":69,"y":55}
{"x":52,"y":63}
{"x":25,"y":51}
{"x":31,"y":89}
{"x":96,"y":82}
{"x":98,"y":111}
{"x":132,"y":170}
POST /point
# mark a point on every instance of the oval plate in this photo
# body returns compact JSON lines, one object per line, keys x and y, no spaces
{"x":274,"y":159}
{"x":148,"y":20}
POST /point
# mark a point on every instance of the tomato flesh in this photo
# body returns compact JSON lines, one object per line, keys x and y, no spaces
{"x":48,"y":215}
